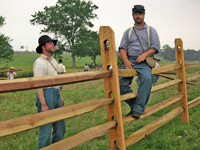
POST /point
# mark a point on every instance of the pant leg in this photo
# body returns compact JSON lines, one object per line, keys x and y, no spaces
{"x":125,"y":88}
{"x":45,"y":132}
{"x":59,"y":128}
{"x":44,"y":137}
{"x":156,"y":78}
{"x":153,"y":78}
{"x":144,"y":89}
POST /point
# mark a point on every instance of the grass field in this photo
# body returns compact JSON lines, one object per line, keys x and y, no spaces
{"x":26,"y":60}
{"x":171,"y":136}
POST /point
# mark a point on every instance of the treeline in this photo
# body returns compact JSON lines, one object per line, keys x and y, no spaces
{"x":168,"y":54}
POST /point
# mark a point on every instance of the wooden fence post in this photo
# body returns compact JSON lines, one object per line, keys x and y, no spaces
{"x":109,"y":59}
{"x":181,"y":75}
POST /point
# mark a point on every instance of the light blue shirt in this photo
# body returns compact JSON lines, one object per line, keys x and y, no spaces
{"x":135,"y":49}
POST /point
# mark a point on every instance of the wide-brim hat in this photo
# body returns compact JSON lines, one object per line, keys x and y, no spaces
{"x":11,"y":68}
{"x":43,"y":39}
{"x":138,"y":8}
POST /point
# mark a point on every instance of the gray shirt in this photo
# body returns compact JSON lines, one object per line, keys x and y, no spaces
{"x":135,"y":49}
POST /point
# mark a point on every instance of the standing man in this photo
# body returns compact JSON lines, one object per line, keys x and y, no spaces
{"x":86,"y":68}
{"x":153,"y":76}
{"x":156,"y":77}
{"x":134,"y":57}
{"x":61,"y":70}
{"x":50,"y":97}
{"x":157,"y":63}
{"x":11,"y":74}
{"x":61,"y":67}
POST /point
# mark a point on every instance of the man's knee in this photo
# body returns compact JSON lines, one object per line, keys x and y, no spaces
{"x":146,"y":78}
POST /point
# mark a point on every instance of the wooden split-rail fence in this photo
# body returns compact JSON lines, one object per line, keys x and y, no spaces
{"x":110,"y":74}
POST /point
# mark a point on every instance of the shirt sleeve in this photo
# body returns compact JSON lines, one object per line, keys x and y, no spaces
{"x":64,"y":68}
{"x":154,"y":40}
{"x":38,"y":69}
{"x":124,"y":41}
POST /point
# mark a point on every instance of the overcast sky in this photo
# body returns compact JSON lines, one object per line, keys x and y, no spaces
{"x":171,"y":18}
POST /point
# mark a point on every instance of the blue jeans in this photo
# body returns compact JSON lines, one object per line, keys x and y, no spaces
{"x":138,"y":103}
{"x":46,"y":135}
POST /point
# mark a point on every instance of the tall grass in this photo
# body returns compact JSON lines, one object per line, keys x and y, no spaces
{"x":173,"y":135}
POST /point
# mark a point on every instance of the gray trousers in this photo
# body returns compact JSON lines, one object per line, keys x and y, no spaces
{"x":138,"y":103}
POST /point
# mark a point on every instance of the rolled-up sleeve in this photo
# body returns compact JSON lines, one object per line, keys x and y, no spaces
{"x":154,"y":40}
{"x":124,"y":41}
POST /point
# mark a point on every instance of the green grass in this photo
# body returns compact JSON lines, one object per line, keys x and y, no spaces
{"x":26,"y":60}
{"x":171,"y":136}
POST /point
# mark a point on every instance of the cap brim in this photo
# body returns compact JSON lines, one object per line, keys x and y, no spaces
{"x":139,"y":11}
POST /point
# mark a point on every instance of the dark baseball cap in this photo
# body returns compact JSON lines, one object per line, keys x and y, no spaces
{"x":138,"y":8}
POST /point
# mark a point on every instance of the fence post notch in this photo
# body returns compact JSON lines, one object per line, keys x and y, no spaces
{"x":109,"y":58}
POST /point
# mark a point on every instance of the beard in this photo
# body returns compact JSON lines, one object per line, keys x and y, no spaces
{"x":50,"y":51}
{"x":138,"y":20}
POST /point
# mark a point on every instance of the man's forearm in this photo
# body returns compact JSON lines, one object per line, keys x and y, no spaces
{"x":123,"y":54}
{"x":41,"y":97}
{"x":150,"y":52}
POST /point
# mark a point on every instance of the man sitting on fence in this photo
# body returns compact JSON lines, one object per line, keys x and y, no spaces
{"x":134,"y":53}
{"x":50,"y":97}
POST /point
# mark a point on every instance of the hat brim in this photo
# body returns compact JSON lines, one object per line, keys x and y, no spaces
{"x":39,"y":48}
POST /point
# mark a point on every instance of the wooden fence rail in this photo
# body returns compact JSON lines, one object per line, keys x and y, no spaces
{"x":46,"y":81}
{"x":115,"y":122}
{"x":20,"y":124}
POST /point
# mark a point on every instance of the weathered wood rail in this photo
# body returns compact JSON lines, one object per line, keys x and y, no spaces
{"x":112,"y":104}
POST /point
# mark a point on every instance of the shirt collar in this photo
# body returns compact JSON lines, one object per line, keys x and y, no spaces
{"x":144,"y":27}
{"x":45,"y":57}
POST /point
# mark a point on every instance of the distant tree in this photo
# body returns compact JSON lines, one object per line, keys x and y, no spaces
{"x":6,"y":51}
{"x":59,"y":50}
{"x":87,"y":44}
{"x":168,"y":53}
{"x":65,"y":20}
{"x":2,"y":21}
{"x":191,"y":55}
